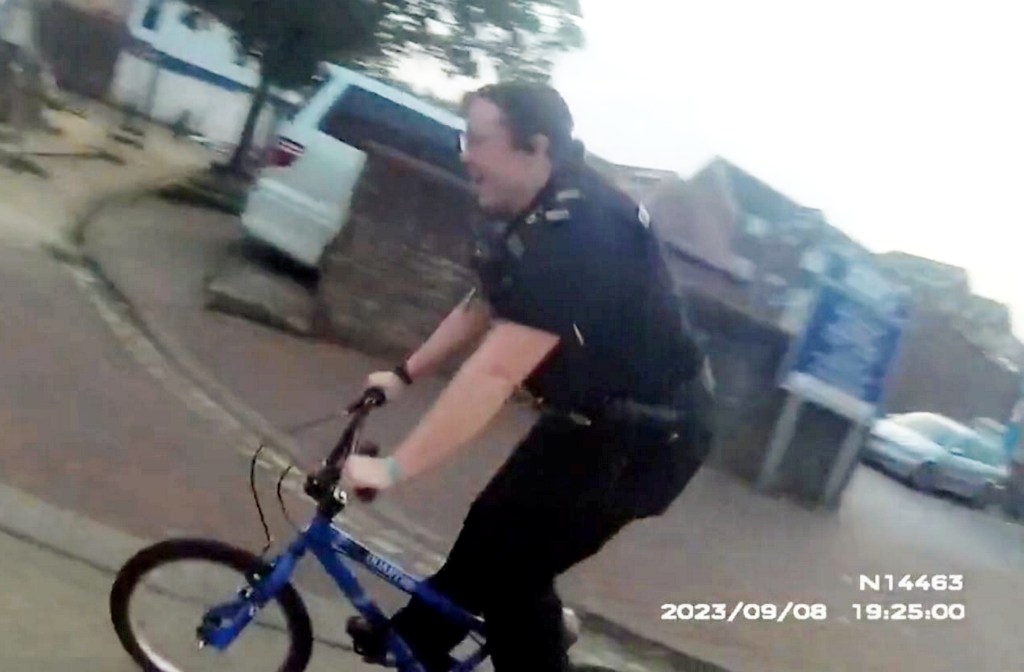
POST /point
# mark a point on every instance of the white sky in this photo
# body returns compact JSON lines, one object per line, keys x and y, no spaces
{"x":902,"y":120}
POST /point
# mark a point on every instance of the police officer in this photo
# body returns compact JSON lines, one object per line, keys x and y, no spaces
{"x":575,"y":307}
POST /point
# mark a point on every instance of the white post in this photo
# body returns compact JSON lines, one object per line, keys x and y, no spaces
{"x":843,"y":463}
{"x":782,"y":436}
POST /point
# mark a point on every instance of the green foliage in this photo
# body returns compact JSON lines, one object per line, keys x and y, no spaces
{"x":520,"y":37}
{"x":290,"y":37}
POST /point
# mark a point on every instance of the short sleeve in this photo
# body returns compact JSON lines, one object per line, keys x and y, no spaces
{"x":565,"y":281}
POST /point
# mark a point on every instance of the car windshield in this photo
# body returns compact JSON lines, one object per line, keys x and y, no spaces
{"x":942,"y":431}
{"x":983,"y":451}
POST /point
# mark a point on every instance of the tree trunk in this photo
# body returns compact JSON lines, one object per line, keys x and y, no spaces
{"x":259,"y":99}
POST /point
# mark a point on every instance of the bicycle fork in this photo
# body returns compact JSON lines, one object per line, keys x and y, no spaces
{"x":223,"y":623}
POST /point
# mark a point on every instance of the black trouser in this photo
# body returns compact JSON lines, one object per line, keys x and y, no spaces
{"x":565,"y":491}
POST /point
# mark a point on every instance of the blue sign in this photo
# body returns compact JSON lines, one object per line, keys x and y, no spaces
{"x":847,"y":348}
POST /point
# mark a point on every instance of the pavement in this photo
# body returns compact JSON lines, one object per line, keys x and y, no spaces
{"x":131,"y":411}
{"x":720,"y":543}
{"x":55,"y":614}
{"x":90,"y":435}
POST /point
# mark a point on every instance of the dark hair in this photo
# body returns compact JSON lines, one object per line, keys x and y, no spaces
{"x":530,"y":109}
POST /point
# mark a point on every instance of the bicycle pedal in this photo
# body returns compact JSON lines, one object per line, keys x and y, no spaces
{"x":368,"y":640}
{"x":386,"y":661}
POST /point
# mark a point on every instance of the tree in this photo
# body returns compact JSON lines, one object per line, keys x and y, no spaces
{"x":289,"y":38}
{"x":519,"y":37}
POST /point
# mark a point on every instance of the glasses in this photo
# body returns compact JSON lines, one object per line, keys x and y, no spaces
{"x":469,"y":140}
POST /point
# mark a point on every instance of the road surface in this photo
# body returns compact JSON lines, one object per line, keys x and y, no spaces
{"x":89,"y":427}
{"x":720,"y":543}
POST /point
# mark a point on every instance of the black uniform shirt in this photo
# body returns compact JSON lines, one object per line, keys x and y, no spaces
{"x":582,"y":264}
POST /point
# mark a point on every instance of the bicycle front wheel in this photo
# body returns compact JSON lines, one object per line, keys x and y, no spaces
{"x":167,"y":592}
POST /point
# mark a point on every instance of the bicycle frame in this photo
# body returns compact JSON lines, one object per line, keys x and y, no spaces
{"x":328,"y":543}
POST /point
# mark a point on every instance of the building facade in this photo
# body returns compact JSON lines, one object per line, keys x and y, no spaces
{"x":183,"y":68}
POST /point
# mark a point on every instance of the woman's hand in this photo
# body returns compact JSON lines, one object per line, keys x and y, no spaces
{"x":370,"y":473}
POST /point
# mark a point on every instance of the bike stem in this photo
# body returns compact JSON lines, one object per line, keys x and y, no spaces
{"x":322,"y":486}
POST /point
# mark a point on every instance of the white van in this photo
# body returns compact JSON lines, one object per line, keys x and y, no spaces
{"x":301,"y":200}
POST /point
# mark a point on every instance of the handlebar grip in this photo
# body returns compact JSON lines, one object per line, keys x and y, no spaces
{"x":369,"y":449}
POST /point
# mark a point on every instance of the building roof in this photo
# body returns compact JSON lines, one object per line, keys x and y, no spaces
{"x":914,"y":267}
{"x":755,"y":196}
{"x":697,"y":217}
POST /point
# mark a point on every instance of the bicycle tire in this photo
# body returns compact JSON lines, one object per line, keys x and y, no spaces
{"x":300,"y":630}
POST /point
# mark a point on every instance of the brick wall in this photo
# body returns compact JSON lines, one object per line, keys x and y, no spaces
{"x":400,"y":263}
{"x":940,"y":370}
{"x":745,"y":356}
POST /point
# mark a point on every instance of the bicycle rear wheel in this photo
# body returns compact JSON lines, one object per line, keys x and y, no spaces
{"x":162,"y":594}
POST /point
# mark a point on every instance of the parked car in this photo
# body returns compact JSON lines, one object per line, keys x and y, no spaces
{"x":936,"y":454}
{"x":900,"y":450}
{"x":301,"y":200}
{"x":1013,"y":500}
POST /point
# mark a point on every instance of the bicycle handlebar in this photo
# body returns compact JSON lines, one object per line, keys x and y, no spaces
{"x":321,"y":485}
{"x":370,"y":399}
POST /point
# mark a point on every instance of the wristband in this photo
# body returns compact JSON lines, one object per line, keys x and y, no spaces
{"x":394,"y":469}
{"x":402,"y":371}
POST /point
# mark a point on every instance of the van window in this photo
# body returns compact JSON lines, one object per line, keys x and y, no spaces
{"x":359,"y":116}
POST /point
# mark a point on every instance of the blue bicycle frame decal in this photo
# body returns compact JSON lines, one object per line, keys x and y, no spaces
{"x":329,"y":544}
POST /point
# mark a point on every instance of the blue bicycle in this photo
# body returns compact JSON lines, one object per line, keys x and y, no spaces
{"x":259,"y":592}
